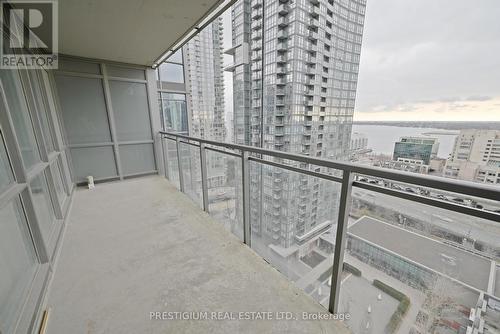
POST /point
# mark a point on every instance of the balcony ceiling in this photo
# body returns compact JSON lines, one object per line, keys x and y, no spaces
{"x":129,"y":31}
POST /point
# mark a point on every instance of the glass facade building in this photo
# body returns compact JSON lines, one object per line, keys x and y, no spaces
{"x":295,"y":70}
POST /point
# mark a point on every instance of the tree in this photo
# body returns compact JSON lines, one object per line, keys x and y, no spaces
{"x":442,"y":295}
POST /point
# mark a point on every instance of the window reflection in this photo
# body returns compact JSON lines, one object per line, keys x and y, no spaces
{"x":173,"y":112}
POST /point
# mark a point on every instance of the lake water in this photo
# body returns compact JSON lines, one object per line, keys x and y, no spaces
{"x":381,"y":138}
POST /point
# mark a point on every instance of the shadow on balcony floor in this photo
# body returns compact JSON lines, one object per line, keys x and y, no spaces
{"x":140,"y":246}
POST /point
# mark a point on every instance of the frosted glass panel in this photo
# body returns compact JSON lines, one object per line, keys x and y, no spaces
{"x":83,"y":109}
{"x":79,"y":66}
{"x":124,"y":72}
{"x":58,"y":182}
{"x":176,"y":57}
{"x":40,"y":96}
{"x":137,"y":158}
{"x":43,"y":204}
{"x":130,"y":108}
{"x":20,"y":117}
{"x":171,"y":73}
{"x":96,"y":161}
{"x":6,"y":176}
{"x":18,"y":263}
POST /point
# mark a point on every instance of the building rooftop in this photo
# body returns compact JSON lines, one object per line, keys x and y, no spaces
{"x":468,"y":268}
{"x":140,"y":246}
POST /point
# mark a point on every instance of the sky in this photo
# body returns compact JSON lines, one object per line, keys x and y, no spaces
{"x":430,"y":60}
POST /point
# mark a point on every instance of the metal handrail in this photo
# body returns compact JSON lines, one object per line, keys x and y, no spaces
{"x":347,"y":181}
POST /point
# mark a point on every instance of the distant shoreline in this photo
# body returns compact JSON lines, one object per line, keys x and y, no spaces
{"x":442,"y":133}
{"x":436,"y":125}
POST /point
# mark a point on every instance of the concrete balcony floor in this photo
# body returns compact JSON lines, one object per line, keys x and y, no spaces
{"x":140,"y":246}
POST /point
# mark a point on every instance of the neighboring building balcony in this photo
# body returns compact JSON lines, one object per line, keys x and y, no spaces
{"x":282,"y":46}
{"x":283,"y":22}
{"x":313,"y":23}
{"x":256,"y":35}
{"x":281,"y":59}
{"x":280,"y":92}
{"x":256,"y":14}
{"x":256,"y":4}
{"x":310,"y":59}
{"x":280,"y":81}
{"x":283,"y":9}
{"x":256,"y":56}
{"x":311,"y":47}
{"x":314,"y":11}
{"x":311,"y":81}
{"x":282,"y":34}
{"x":312,"y":35}
{"x":256,"y":25}
{"x":281,"y":70}
{"x":280,"y":101}
{"x":256,"y":46}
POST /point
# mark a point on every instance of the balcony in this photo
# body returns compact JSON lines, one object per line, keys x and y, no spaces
{"x":256,"y":4}
{"x":165,"y":230}
{"x":314,"y":11}
{"x":281,"y":47}
{"x":281,"y":59}
{"x":282,"y":22}
{"x":283,"y":9}
{"x":256,"y":35}
{"x":280,"y":81}
{"x":154,"y":259}
{"x":313,"y":23}
{"x":282,"y":34}
{"x":257,"y":14}
{"x":313,"y":36}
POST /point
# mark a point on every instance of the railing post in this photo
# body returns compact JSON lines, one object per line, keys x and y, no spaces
{"x":245,"y":182}
{"x":179,"y":164}
{"x":204,"y":184}
{"x":164,"y":154}
{"x":340,"y":240}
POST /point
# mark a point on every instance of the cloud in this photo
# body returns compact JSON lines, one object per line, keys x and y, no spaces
{"x":478,"y":98}
{"x":414,"y":52}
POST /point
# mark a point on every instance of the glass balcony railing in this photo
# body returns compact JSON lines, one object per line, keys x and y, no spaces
{"x":398,"y":252}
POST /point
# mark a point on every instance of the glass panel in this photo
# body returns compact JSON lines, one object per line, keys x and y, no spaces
{"x":98,"y":162}
{"x":125,"y":72}
{"x":131,"y":112}
{"x":55,"y":169}
{"x":173,"y":112}
{"x":171,"y":73}
{"x":6,"y":176}
{"x":137,"y":158}
{"x":83,"y":109}
{"x":172,"y":162}
{"x":79,"y":66}
{"x":43,"y":205}
{"x":293,"y":221}
{"x":176,"y":57}
{"x":190,"y":167}
{"x":20,"y":117}
{"x":18,"y":263}
{"x":40,"y":97}
{"x":224,"y":191}
{"x":419,"y":268}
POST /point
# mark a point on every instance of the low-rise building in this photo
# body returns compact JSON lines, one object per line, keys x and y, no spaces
{"x":416,"y":148}
{"x":475,"y":157}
